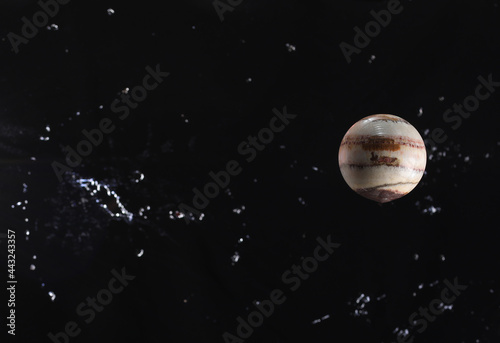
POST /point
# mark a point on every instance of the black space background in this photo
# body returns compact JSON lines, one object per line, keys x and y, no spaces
{"x":187,"y":289}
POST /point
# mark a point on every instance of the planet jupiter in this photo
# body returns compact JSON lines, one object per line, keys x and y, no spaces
{"x":382,"y":157}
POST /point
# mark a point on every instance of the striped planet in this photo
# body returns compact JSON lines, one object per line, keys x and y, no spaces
{"x":382,"y":157}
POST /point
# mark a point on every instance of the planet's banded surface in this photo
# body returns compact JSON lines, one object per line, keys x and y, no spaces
{"x":382,"y":157}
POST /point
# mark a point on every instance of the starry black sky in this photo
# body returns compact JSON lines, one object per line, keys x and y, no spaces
{"x":116,"y":211}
